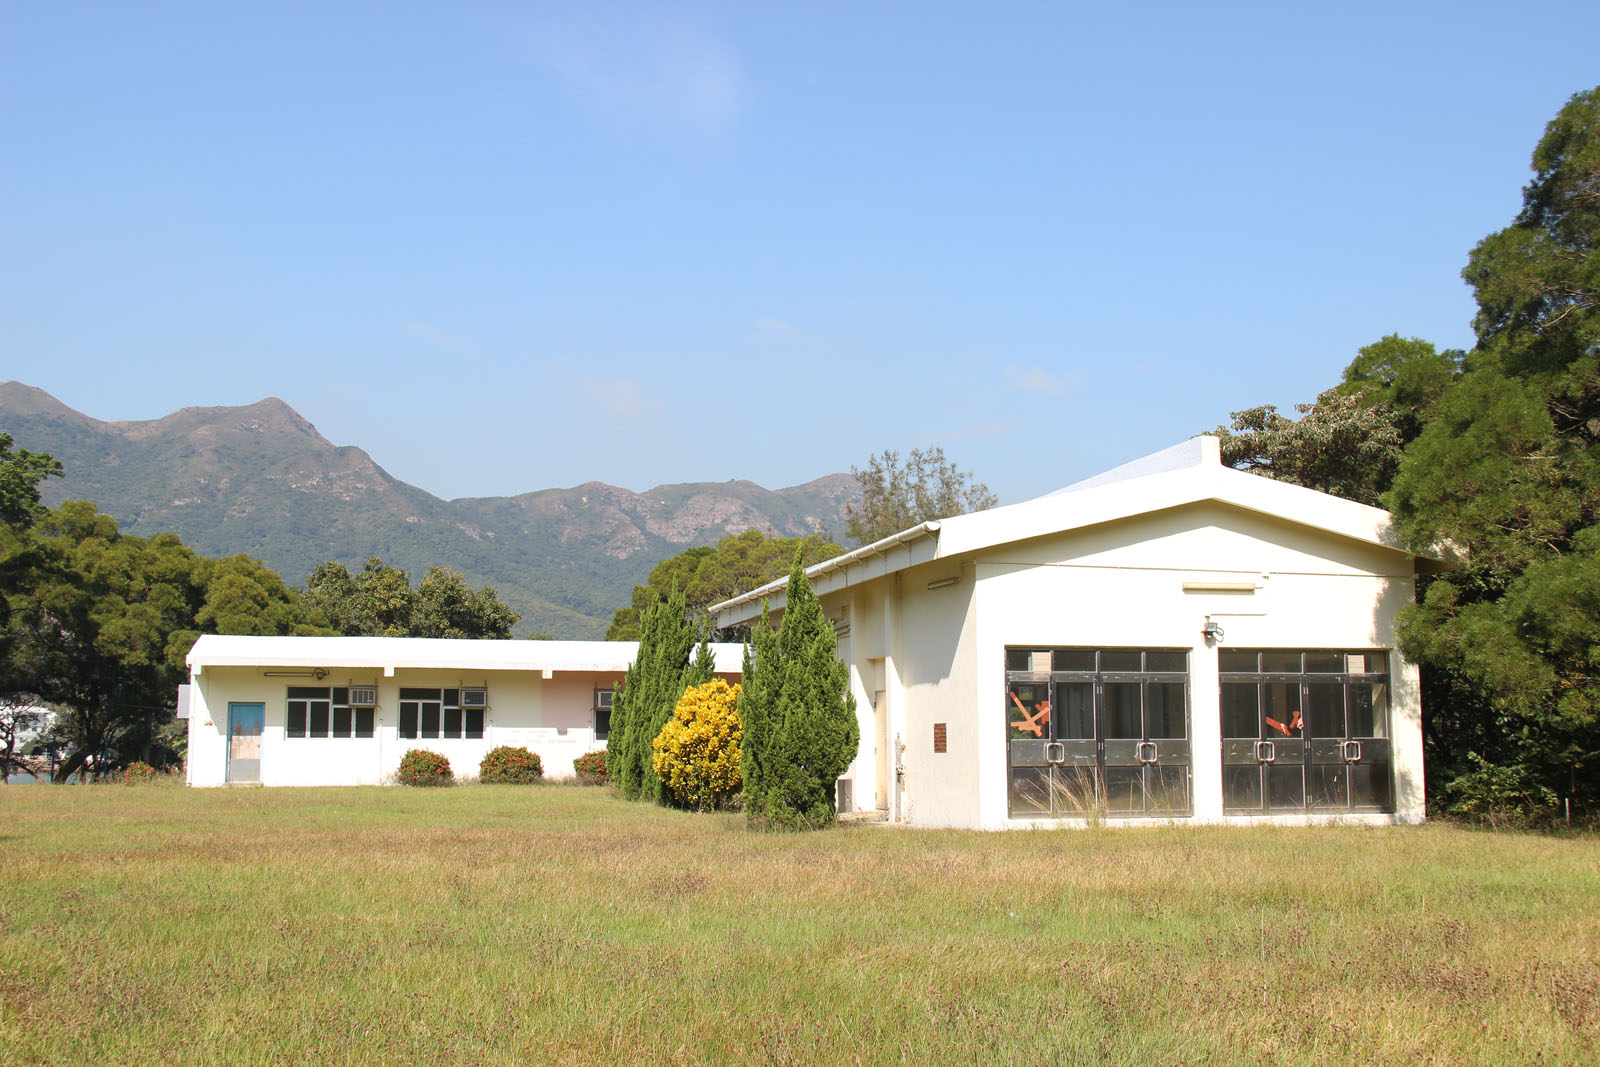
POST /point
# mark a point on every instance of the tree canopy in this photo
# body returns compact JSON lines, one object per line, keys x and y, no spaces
{"x":379,"y":602}
{"x":706,"y":576}
{"x":1506,"y":473}
{"x":896,"y":497}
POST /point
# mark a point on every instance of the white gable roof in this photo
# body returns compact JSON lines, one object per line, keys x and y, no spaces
{"x":1186,"y":473}
{"x":219,"y":650}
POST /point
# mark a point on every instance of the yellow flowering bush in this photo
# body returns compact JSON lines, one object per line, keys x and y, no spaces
{"x":696,"y":754}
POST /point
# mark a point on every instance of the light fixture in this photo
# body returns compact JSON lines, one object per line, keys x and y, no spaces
{"x":942,"y":582}
{"x":316,"y":672}
{"x":1212,"y":631}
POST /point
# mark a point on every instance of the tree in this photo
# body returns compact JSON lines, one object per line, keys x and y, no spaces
{"x":696,"y":754}
{"x":708,"y":576}
{"x":800,"y":729}
{"x":1404,"y":375}
{"x":666,"y":664}
{"x":896,"y":498}
{"x":379,"y":602}
{"x":1506,"y":474}
{"x":21,"y":472}
{"x":1340,"y":445}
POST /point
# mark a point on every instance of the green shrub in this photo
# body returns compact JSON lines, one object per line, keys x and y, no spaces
{"x":591,"y":768}
{"x":421,"y":767}
{"x":508,"y":765}
{"x":140,"y":772}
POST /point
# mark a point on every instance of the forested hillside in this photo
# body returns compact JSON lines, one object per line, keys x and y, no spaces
{"x":261,"y":480}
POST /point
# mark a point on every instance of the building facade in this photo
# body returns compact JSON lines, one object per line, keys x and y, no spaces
{"x":344,"y":710}
{"x":1171,"y":641}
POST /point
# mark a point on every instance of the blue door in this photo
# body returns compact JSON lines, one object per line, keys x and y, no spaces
{"x":245,"y":723}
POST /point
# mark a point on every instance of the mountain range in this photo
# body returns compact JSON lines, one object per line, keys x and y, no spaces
{"x":261,"y":480}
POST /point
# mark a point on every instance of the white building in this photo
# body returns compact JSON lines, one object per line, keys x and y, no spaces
{"x":343,"y":710}
{"x":1171,"y":640}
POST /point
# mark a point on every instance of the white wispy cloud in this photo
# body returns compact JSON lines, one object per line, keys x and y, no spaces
{"x":655,"y":70}
{"x":775,"y":325}
{"x":622,"y":397}
{"x":1040,"y":379}
{"x":437,"y":337}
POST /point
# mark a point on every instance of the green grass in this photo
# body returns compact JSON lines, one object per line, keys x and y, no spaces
{"x":562,"y":925}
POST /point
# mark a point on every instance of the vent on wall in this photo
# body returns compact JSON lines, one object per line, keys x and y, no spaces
{"x":363,"y":696}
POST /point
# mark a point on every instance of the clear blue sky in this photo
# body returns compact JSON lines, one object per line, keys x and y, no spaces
{"x":510,"y":246}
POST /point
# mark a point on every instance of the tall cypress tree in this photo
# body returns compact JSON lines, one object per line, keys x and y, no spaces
{"x":660,"y":672}
{"x":799,"y":717}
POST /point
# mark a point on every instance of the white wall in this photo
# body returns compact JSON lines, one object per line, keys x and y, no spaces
{"x":1121,"y":584}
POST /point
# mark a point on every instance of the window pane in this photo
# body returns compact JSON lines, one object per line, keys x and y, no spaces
{"x":1169,"y":788}
{"x":1030,"y":790}
{"x":341,"y":721}
{"x":430,"y":719}
{"x":1076,"y":722}
{"x":602,"y":725}
{"x":408,"y":719}
{"x":1163,"y":710}
{"x":1280,"y":662}
{"x":1367,"y":663}
{"x":363,"y":722}
{"x":341,"y":695}
{"x":1241,"y":787}
{"x":1166,"y":661}
{"x":296,"y":724}
{"x":452,"y":697}
{"x":1124,"y":789}
{"x":1369,"y":787}
{"x":1280,"y":710}
{"x":1237,"y":661}
{"x":319,"y":718}
{"x":1325,"y":784}
{"x":1017,"y":659}
{"x":1324,"y":662}
{"x":1286,"y":787}
{"x":474,"y":723}
{"x":1074,"y":659}
{"x":1325,"y":709}
{"x":1120,"y":710}
{"x":1241,"y":710}
{"x":1029,"y":707}
{"x":419,"y":694}
{"x":308,"y":692}
{"x":1119,"y":660}
{"x":1369,"y":709}
{"x":452,"y":722}
{"x":1072,"y":790}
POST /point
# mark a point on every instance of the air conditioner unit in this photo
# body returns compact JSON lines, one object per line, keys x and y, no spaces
{"x":363,"y":696}
{"x":602,"y":698}
{"x":475,"y":698}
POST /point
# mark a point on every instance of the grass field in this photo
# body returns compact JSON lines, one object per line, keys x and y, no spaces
{"x":562,"y":925}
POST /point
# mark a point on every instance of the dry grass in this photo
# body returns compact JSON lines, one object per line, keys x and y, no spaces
{"x":551,"y":925}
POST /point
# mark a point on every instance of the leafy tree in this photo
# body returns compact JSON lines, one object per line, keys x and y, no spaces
{"x":1340,"y":445}
{"x":708,"y":576}
{"x":379,"y":602}
{"x":799,"y":717}
{"x":21,"y":472}
{"x":1403,"y":375}
{"x":666,"y":664}
{"x":696,"y":754}
{"x":896,"y":498}
{"x":1506,"y":472}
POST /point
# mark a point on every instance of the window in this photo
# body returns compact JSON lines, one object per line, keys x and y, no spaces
{"x":602,"y":713}
{"x":433,"y":714}
{"x":317,"y":711}
{"x":1305,"y":730}
{"x":1098,"y":730}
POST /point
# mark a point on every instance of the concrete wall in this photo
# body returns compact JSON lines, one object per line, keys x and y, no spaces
{"x":938,"y":655}
{"x":552,"y":717}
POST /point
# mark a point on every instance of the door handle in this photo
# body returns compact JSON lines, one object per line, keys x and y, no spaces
{"x":1352,"y":751}
{"x":1266,"y":752}
{"x":1151,"y":756}
{"x":1061,"y":752}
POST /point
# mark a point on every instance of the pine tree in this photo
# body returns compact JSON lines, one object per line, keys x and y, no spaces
{"x":661,"y":671}
{"x":798,"y":714}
